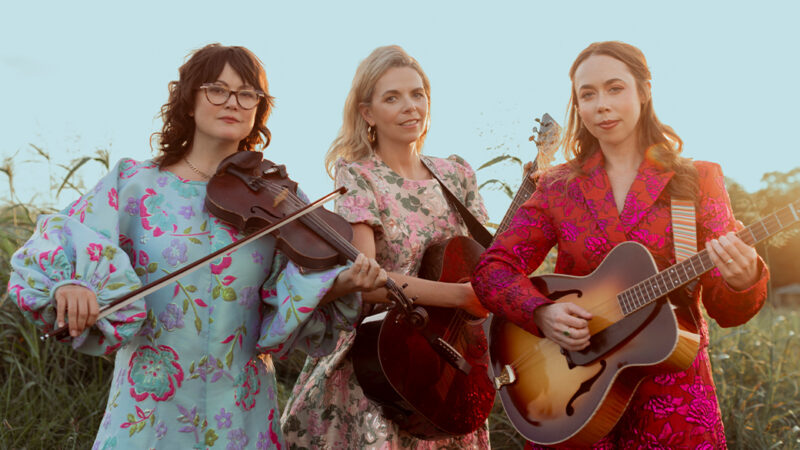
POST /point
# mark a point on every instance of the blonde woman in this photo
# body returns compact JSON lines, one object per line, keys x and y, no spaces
{"x":397,"y":210}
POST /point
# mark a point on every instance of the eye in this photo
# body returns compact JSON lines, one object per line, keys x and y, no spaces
{"x":390,"y":99}
{"x":419,"y":95}
{"x":248,"y":95}
{"x":615,"y":89}
{"x":217,"y":90}
{"x":586,"y":95}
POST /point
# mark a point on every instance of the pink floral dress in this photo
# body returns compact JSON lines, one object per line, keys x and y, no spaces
{"x":186,"y":370}
{"x":580,"y":216}
{"x":327,"y":408}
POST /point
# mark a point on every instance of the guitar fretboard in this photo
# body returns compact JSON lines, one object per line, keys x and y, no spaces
{"x":676,"y":276}
{"x":523,"y":193}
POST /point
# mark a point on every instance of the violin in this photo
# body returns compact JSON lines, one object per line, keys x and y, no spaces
{"x":248,"y":192}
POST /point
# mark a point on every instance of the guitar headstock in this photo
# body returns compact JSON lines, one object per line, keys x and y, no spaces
{"x":547,"y":136}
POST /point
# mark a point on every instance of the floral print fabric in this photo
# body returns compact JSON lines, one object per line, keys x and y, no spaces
{"x":186,"y":373}
{"x":580,"y":216}
{"x":327,"y":408}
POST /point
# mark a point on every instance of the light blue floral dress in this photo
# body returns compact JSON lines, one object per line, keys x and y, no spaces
{"x":186,"y":372}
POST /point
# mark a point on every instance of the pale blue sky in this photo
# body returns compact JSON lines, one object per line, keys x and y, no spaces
{"x":83,"y":75}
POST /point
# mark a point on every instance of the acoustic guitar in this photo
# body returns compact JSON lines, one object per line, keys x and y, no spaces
{"x":555,"y":396}
{"x":395,"y":366}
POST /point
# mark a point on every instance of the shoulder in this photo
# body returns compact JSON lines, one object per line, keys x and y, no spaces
{"x":452,"y":165}
{"x":556,"y":177}
{"x":127,"y":168}
{"x":361,"y":167}
{"x":707,"y":168}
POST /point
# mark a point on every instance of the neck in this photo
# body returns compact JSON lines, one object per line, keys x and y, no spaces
{"x":403,"y":159}
{"x":206,"y":156}
{"x":622,"y":157}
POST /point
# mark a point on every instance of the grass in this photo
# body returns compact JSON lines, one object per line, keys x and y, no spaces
{"x":52,"y":397}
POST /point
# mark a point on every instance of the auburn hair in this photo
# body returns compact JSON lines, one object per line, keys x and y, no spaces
{"x":657,"y":141}
{"x":204,"y":66}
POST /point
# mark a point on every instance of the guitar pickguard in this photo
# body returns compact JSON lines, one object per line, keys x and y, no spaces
{"x":611,"y":337}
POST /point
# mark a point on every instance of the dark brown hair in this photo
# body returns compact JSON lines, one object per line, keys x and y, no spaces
{"x":659,"y":142}
{"x":204,"y":66}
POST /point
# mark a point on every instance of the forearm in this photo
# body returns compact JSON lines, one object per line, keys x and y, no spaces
{"x":427,"y":292}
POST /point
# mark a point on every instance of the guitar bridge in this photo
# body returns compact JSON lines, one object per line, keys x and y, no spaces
{"x":506,"y":377}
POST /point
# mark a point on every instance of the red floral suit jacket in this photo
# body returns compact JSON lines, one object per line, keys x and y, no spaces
{"x":581,"y":218}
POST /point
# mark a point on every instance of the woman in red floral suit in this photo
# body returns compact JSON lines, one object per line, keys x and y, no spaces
{"x":623,"y":168}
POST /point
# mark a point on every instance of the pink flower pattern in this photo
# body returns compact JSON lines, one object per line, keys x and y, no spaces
{"x":171,"y":374}
{"x":668,"y":410}
{"x":327,"y":408}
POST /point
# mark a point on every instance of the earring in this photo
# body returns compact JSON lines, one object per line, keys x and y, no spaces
{"x":372,"y":135}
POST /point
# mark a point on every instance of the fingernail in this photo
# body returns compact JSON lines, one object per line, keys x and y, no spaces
{"x":73,"y":333}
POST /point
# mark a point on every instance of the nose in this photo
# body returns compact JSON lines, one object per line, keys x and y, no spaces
{"x":232,"y":102}
{"x":409,"y":104}
{"x":602,"y":102}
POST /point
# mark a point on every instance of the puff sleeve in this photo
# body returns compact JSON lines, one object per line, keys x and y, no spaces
{"x":80,"y":245}
{"x":294,"y":319}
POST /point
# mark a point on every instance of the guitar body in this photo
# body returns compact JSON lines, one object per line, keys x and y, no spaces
{"x":553,"y":401}
{"x":398,"y":369}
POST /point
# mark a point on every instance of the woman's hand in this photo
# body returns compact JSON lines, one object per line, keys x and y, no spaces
{"x":80,"y":305}
{"x":363,"y":275}
{"x":471,"y":304}
{"x":737,"y":262}
{"x":566,"y":324}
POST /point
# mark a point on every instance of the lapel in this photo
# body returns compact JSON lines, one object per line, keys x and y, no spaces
{"x":647,"y":186}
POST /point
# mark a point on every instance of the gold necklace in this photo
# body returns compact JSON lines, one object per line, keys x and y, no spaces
{"x":196,"y":170}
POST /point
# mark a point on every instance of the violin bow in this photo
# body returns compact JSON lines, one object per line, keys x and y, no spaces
{"x":147,"y":289}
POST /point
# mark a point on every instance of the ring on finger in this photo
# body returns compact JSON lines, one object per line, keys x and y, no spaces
{"x":566,"y":333}
{"x":730,"y":260}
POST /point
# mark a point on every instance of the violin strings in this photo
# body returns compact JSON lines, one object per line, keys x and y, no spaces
{"x":454,"y":329}
{"x":293,"y":200}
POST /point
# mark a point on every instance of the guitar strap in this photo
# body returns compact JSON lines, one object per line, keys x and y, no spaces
{"x":684,"y":229}
{"x":684,"y":238}
{"x":476,"y":229}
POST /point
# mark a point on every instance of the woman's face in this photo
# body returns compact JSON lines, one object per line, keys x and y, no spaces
{"x":227,"y":122}
{"x":398,"y":109}
{"x":608,"y":101}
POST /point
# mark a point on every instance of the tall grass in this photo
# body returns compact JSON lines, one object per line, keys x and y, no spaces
{"x":53,"y":397}
{"x":757,"y":371}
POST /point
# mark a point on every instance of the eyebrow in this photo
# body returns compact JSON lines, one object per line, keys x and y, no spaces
{"x":244,"y":85}
{"x":396,"y":92}
{"x":606,"y":83}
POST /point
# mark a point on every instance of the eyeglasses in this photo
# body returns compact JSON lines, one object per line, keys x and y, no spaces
{"x":218,"y":95}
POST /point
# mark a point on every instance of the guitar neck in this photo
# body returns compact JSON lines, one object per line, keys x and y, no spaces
{"x":678,"y":275}
{"x":523,"y":193}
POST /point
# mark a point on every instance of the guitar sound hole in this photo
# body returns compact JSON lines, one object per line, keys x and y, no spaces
{"x":586,"y":386}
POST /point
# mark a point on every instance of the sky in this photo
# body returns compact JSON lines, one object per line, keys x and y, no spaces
{"x":82,"y":76}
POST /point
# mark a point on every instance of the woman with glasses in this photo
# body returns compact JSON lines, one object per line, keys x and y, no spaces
{"x":397,"y":210}
{"x":186,"y":371}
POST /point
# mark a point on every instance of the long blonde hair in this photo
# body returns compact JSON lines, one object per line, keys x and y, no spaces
{"x":660,"y":142}
{"x":353,"y":142}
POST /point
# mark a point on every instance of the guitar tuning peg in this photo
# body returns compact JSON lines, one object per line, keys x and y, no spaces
{"x":404,"y":285}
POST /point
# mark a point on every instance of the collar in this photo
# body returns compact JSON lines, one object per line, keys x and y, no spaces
{"x":650,"y":181}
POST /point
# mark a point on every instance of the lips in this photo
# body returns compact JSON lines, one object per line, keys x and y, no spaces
{"x":409,"y":123}
{"x":229,"y":119}
{"x":608,"y":124}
